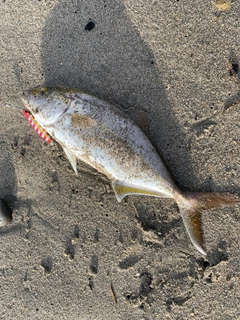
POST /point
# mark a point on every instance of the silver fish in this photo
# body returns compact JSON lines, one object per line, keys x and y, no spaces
{"x":102,"y":136}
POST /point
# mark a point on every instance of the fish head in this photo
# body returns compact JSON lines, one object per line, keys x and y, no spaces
{"x":45,"y":104}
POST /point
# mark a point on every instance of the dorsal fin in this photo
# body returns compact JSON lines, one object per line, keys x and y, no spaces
{"x":140,"y":118}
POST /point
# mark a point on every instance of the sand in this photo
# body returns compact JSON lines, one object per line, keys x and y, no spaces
{"x":72,"y":251}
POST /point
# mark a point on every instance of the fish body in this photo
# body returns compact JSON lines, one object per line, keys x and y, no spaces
{"x":102,"y":136}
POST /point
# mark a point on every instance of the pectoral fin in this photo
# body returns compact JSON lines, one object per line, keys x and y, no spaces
{"x":122,"y":189}
{"x":81,"y":121}
{"x":72,"y":159}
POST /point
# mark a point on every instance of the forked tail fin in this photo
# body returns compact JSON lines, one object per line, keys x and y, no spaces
{"x":191,"y":209}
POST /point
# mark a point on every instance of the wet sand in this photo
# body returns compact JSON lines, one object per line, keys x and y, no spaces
{"x":72,"y":251}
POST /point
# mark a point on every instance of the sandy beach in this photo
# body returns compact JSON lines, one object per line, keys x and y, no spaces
{"x":72,"y":251}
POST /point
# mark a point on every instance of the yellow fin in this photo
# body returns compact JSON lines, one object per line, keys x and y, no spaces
{"x":122,"y":189}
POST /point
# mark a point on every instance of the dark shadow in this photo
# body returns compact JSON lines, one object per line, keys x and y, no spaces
{"x":113,"y":62}
{"x":8,"y":183}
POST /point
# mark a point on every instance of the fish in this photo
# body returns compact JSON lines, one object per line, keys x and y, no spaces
{"x":5,"y":213}
{"x":103,"y":136}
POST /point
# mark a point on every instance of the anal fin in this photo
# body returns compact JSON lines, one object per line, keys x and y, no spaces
{"x":123,"y":189}
{"x":72,"y":159}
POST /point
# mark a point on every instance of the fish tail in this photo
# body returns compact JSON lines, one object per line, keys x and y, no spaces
{"x":193,"y":204}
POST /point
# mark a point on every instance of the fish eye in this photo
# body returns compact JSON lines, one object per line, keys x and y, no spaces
{"x":44,"y":91}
